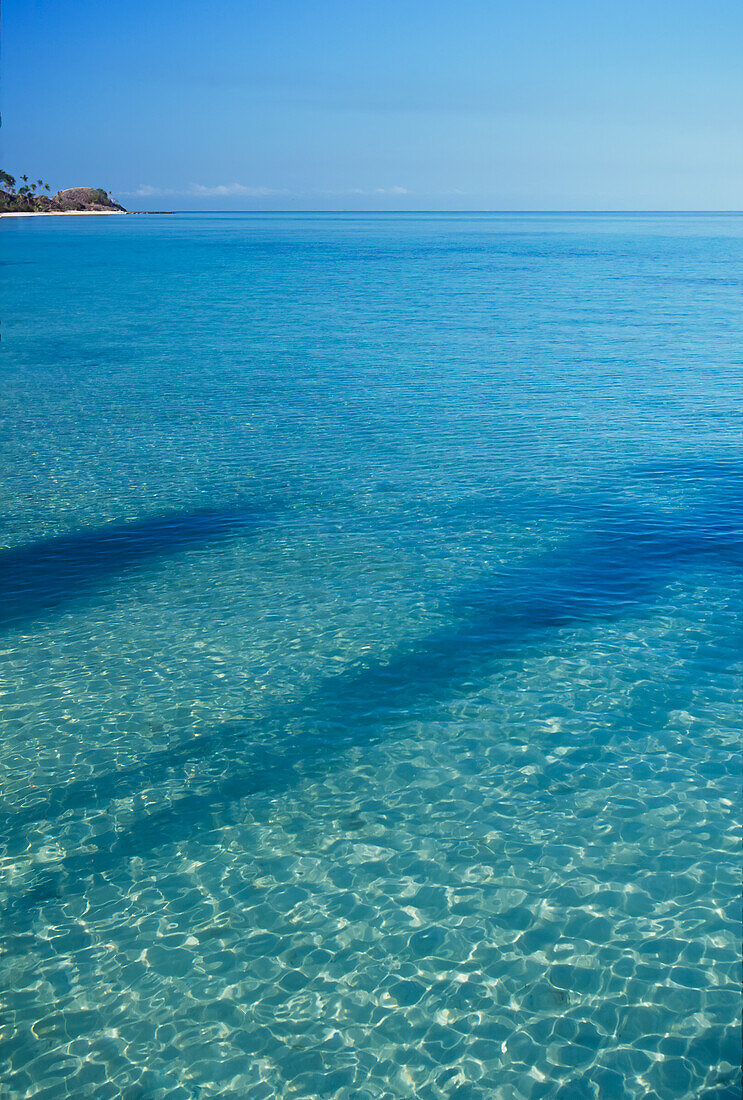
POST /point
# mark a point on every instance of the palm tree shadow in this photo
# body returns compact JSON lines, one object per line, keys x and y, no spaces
{"x":53,"y":573}
{"x":621,"y":565}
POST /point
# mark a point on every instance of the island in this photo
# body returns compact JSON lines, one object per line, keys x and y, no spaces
{"x":30,"y":198}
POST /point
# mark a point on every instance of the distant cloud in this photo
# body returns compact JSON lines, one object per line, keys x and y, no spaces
{"x":232,"y":189}
{"x":367,"y":191}
{"x":225,"y":190}
{"x":146,"y":190}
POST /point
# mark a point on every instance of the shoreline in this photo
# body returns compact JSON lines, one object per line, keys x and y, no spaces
{"x":55,"y":213}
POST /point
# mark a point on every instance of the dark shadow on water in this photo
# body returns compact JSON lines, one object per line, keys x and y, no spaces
{"x":620,"y":566}
{"x":48,"y":575}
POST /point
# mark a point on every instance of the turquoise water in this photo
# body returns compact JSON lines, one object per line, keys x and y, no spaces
{"x":370,"y":646}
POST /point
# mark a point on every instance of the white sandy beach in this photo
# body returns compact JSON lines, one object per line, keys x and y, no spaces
{"x":56,"y":213}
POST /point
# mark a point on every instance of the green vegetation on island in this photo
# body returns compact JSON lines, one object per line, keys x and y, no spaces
{"x":34,"y":198}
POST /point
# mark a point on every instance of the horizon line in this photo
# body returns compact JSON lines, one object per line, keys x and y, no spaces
{"x":315,"y":210}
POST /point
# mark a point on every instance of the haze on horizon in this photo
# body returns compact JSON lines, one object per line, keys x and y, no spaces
{"x":404,"y":105}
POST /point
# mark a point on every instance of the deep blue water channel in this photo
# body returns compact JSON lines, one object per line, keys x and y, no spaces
{"x":371,"y":605}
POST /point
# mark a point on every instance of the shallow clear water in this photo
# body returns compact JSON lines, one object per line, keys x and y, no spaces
{"x":370,"y":640}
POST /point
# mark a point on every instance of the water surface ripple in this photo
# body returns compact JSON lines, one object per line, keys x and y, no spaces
{"x":371,"y":606}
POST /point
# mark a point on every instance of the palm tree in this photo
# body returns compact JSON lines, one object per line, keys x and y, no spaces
{"x":25,"y":179}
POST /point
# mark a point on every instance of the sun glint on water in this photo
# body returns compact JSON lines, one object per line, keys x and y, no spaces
{"x":370,"y":621}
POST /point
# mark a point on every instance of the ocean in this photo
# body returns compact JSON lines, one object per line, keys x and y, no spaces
{"x":371,"y":594}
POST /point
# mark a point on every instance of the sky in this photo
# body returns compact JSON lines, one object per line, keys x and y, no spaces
{"x":379,"y":104}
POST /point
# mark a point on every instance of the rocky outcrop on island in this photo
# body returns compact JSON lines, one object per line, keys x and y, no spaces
{"x":30,"y":199}
{"x":85,"y":198}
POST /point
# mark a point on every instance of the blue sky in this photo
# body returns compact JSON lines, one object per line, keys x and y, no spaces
{"x":383,"y":104}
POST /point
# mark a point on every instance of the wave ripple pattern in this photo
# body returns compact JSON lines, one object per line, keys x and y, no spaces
{"x":371,"y":596}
